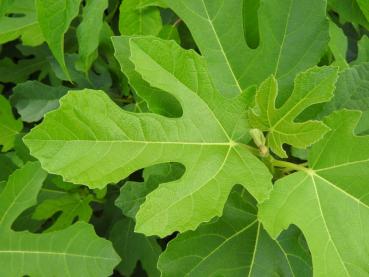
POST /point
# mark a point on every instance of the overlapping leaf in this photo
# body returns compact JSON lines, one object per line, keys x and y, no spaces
{"x":72,"y":207}
{"x":293,"y":36}
{"x":94,"y":142}
{"x":133,"y":247}
{"x":133,"y":194}
{"x":328,"y":201}
{"x":33,"y":99}
{"x":55,"y":17}
{"x":9,"y":126}
{"x":92,"y":23}
{"x":315,"y":85}
{"x":76,"y":250}
{"x":235,"y":245}
{"x":352,"y":92}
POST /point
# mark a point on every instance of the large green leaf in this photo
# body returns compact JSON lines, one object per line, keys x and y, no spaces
{"x":9,"y":126}
{"x":33,"y":99}
{"x":313,"y":86}
{"x":133,"y":247}
{"x":235,"y":245}
{"x":23,"y":25}
{"x":137,"y":20}
{"x":54,"y":17}
{"x":90,"y":140}
{"x":293,"y":36}
{"x":92,"y":23}
{"x":329,"y":201}
{"x":75,"y":251}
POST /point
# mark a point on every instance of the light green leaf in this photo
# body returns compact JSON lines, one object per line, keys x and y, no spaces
{"x":90,"y":140}
{"x":20,"y":193}
{"x":328,"y":201}
{"x":72,"y":207}
{"x":293,"y":36}
{"x":136,"y":20}
{"x":76,"y":250}
{"x":33,"y":99}
{"x":349,"y":11}
{"x":235,"y":245}
{"x":54,"y":17}
{"x":313,"y":86}
{"x":92,"y":23}
{"x":352,"y":92}
{"x":9,"y":126}
{"x":133,"y":194}
{"x":133,"y":247}
{"x":24,"y":25}
{"x":338,"y":44}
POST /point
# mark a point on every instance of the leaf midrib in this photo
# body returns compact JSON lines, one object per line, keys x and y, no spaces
{"x":64,"y":254}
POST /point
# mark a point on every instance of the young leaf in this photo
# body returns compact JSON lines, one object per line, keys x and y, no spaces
{"x":235,"y":245}
{"x":88,"y":33}
{"x":54,"y":17}
{"x":9,"y":126}
{"x":133,"y":194}
{"x":133,"y":247}
{"x":33,"y":99}
{"x":26,"y":26}
{"x":288,"y":44}
{"x":328,"y":201}
{"x":313,"y":86}
{"x":136,"y":20}
{"x":76,"y":250}
{"x":72,"y":207}
{"x":90,"y":140}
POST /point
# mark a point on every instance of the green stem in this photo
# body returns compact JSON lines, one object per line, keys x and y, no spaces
{"x":288,"y":165}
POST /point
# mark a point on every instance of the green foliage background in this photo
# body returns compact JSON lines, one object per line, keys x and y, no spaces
{"x":184,"y":138}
